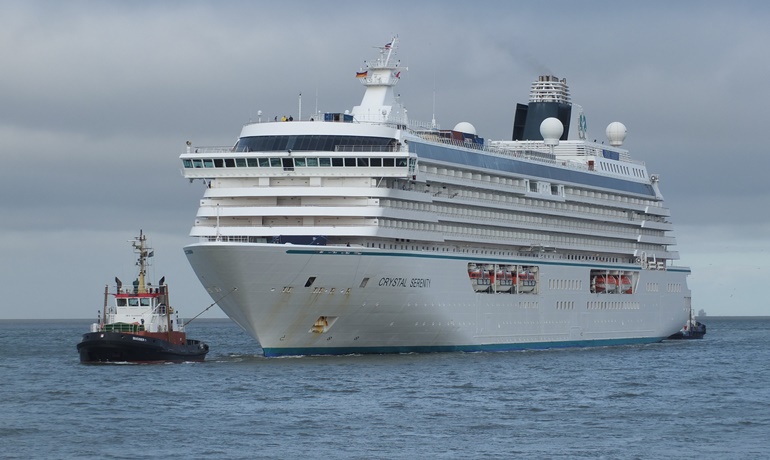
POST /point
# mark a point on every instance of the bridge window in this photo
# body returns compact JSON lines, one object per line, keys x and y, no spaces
{"x":307,"y":143}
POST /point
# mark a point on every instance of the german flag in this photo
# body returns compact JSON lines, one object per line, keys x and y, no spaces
{"x":362,"y":74}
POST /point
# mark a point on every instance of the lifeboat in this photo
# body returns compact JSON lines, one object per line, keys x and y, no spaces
{"x":604,"y":283}
{"x":526,"y":282}
{"x":626,"y":287}
{"x":504,"y":280}
{"x":480,"y":279}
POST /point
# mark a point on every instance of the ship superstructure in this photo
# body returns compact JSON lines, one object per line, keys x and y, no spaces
{"x":364,"y":232}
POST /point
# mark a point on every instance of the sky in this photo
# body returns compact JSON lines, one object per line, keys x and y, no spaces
{"x":98,"y":98}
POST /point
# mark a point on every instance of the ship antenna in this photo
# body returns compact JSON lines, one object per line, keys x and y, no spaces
{"x":433,"y":120}
{"x":139,"y":245}
{"x":390,"y":47}
{"x":299,"y":116}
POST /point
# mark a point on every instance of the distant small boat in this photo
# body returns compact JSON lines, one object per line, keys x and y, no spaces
{"x":692,"y":330}
{"x":139,"y":326}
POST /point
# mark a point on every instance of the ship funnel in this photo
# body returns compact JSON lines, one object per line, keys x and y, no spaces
{"x":549,"y":97}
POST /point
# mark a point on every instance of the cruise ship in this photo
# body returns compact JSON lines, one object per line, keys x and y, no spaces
{"x":364,"y":232}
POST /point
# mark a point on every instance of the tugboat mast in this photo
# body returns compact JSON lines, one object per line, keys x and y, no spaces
{"x":139,"y":246}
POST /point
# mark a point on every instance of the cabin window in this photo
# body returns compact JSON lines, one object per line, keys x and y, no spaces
{"x":376,"y":161}
{"x":133,"y":302}
{"x":187,"y":163}
{"x":350,"y":162}
{"x":275,"y":162}
{"x":121,"y":302}
{"x":144,"y":301}
{"x":363,"y":161}
{"x":299,"y":162}
{"x":312,"y":162}
{"x":388,"y":162}
{"x":324,"y":162}
{"x":208,"y":163}
{"x":252,"y":162}
{"x":240,"y":162}
{"x":218,"y":162}
{"x":337,"y":162}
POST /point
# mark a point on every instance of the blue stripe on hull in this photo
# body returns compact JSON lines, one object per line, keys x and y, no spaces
{"x":273,"y":352}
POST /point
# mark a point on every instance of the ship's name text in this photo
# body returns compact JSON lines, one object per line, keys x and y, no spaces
{"x":405,"y":282}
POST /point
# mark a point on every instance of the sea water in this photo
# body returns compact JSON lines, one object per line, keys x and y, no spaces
{"x":705,"y":398}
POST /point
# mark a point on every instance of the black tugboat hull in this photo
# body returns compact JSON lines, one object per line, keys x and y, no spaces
{"x":112,"y":347}
{"x":686,"y":336}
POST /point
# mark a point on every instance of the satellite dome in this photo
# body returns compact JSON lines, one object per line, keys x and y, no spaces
{"x":465,"y":127}
{"x":551,"y":129}
{"x":616,"y":133}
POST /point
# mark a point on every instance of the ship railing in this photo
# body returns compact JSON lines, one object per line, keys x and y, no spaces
{"x":525,"y":152}
{"x":134,"y":290}
{"x":366,"y":148}
{"x":211,"y":149}
{"x":337,"y":148}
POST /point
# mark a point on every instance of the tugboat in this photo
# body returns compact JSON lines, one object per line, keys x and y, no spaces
{"x":139,"y":327}
{"x":692,"y":330}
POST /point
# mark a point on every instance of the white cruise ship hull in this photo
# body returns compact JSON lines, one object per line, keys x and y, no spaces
{"x":305,"y":300}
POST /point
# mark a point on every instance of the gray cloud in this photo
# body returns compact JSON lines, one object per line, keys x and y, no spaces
{"x":97,"y":100}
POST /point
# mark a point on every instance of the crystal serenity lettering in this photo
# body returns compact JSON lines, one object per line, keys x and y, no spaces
{"x":405,"y":282}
